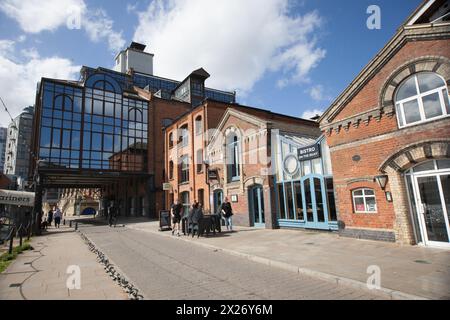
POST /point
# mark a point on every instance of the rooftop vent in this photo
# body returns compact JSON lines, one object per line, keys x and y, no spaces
{"x":137,"y":46}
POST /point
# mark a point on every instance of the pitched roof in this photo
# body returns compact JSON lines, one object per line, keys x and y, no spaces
{"x":405,"y":33}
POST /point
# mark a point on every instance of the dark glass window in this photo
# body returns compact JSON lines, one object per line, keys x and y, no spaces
{"x":331,"y":202}
{"x":183,"y":136}
{"x":298,"y":200}
{"x":170,"y":140}
{"x":281,"y":202}
{"x":198,"y":125}
{"x":199,"y":161}
{"x":289,"y":201}
{"x":232,"y":158}
{"x":184,"y":172}
{"x":171,"y":170}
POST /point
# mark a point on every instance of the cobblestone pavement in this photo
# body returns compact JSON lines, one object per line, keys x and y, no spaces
{"x":164,"y":268}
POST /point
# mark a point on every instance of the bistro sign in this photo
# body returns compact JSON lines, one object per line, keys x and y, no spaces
{"x":17,"y":198}
{"x":309,"y":152}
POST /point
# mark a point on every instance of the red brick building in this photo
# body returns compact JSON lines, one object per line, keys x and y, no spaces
{"x":389,"y":137}
{"x":196,"y":154}
{"x":243,"y":153}
{"x":184,"y":145}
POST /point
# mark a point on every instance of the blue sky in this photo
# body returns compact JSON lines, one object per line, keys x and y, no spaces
{"x":287,"y":56}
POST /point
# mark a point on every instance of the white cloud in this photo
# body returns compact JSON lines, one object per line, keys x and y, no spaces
{"x":99,"y":26}
{"x":30,"y":53}
{"x":317,"y":93}
{"x":308,"y":114}
{"x":35,"y":16}
{"x":6,"y":47}
{"x":19,"y":79}
{"x":132,"y":8}
{"x":236,"y":41}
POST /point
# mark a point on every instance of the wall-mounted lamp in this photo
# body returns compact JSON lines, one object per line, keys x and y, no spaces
{"x":382,"y":181}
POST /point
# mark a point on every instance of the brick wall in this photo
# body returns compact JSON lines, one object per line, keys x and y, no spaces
{"x":374,"y":141}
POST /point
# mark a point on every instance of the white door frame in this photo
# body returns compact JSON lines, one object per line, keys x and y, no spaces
{"x":420,"y":210}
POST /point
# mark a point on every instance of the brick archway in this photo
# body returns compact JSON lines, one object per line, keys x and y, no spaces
{"x":415,"y":153}
{"x":394,"y":166}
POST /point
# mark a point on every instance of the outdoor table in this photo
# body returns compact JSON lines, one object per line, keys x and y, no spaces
{"x":209,"y":222}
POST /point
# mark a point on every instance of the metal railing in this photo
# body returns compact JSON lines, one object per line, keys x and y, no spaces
{"x":20,"y":230}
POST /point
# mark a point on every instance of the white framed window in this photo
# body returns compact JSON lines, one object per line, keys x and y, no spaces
{"x":198,"y":125}
{"x":183,"y":138}
{"x":233,"y":158}
{"x":184,"y":172}
{"x":420,"y":98}
{"x":364,"y":201}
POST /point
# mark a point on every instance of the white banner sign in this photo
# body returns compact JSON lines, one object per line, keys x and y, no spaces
{"x":18,"y":198}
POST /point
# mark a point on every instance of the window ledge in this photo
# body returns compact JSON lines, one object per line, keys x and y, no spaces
{"x":407,"y":126}
{"x":365,"y":212}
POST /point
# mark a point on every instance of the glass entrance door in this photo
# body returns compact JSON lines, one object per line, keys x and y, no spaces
{"x":429,"y":187}
{"x":316,"y":206}
{"x":257,"y":206}
{"x":434,"y":205}
{"x":218,"y":199}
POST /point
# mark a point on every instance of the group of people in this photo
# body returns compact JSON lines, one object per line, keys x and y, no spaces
{"x":225,"y":212}
{"x":53,"y":215}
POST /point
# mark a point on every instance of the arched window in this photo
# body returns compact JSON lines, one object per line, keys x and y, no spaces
{"x":199,"y":160}
{"x":198,"y":125}
{"x":171,"y":170}
{"x":184,"y":169}
{"x":232,"y":157}
{"x":104,"y":85}
{"x":63,"y":102}
{"x":420,"y":98}
{"x":171,"y":140}
{"x":364,"y":200}
{"x":135,"y":114}
{"x":102,"y":81}
{"x":183,"y":138}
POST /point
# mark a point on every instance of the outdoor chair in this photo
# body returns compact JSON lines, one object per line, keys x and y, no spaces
{"x":193,"y":227}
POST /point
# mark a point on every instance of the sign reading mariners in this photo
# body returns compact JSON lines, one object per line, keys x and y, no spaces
{"x":309,"y":152}
{"x":17,"y":198}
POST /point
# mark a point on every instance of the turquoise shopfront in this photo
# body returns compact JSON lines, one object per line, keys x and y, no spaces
{"x":305,"y":193}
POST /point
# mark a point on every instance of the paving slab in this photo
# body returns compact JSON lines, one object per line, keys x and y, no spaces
{"x":406,"y":271}
{"x":41,"y":274}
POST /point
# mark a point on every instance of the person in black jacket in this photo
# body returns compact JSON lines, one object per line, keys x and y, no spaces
{"x":175,"y":210}
{"x":50,"y":216}
{"x":112,"y":215}
{"x":227,"y":213}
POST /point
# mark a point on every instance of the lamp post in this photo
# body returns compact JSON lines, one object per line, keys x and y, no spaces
{"x":37,"y":200}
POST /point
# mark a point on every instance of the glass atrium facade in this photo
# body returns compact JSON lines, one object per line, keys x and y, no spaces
{"x":95,"y":126}
{"x":155,"y":83}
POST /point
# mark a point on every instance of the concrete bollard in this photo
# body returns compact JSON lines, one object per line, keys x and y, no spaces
{"x":64,"y":222}
{"x":70,"y":223}
{"x":76,"y":225}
